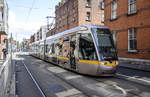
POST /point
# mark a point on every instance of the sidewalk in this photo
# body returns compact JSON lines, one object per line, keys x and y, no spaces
{"x":7,"y":77}
{"x":139,"y":64}
{"x":1,"y":62}
{"x":12,"y":88}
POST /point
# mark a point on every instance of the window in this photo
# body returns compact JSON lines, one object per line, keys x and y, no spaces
{"x":88,"y":3}
{"x":88,"y":16}
{"x":52,"y":50}
{"x":74,"y":18}
{"x":58,"y":48}
{"x":74,"y":4}
{"x":131,"y":6}
{"x":114,"y":33}
{"x":102,"y":5}
{"x":46,"y":49}
{"x":132,"y":41}
{"x":114,"y":10}
{"x":102,"y":20}
{"x":105,"y":43}
{"x":65,"y":47}
{"x":86,"y":47}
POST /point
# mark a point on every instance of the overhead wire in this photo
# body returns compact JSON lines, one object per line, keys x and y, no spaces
{"x":30,"y":10}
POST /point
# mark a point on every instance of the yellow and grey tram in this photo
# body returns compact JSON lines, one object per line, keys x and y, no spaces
{"x":87,"y":49}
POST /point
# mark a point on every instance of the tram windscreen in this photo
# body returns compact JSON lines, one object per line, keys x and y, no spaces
{"x":105,"y":43}
{"x":87,"y":49}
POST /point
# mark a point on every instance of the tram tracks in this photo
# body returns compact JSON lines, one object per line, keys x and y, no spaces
{"x":84,"y":87}
{"x":118,"y":80}
{"x":115,"y":79}
{"x":33,"y":79}
{"x":84,"y":94}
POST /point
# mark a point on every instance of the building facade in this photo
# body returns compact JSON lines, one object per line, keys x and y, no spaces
{"x":51,"y":32}
{"x":71,"y":13}
{"x":129,"y":21}
{"x":3,"y":27}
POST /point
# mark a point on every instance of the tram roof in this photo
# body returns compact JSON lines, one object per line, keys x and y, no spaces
{"x":89,"y":26}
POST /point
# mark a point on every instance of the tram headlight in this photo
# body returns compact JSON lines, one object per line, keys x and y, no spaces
{"x":104,"y":63}
{"x":116,"y":62}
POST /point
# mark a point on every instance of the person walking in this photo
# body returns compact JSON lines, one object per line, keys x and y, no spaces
{"x":4,"y":53}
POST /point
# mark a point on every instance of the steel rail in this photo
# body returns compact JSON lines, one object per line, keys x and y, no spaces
{"x":35,"y":82}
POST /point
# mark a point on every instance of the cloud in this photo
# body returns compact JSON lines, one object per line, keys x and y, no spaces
{"x":22,"y":29}
{"x":11,"y":20}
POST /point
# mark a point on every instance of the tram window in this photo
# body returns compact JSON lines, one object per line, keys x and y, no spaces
{"x":104,"y":40}
{"x":66,"y":39}
{"x":103,"y":37}
{"x":86,"y":48}
{"x":65,"y":47}
{"x":51,"y":51}
{"x":73,"y":38}
{"x":46,"y":48}
{"x":72,"y":44}
{"x":42,"y":49}
{"x":58,"y":48}
{"x":105,"y":43}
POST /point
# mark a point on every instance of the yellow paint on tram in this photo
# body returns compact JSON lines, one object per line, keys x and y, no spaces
{"x":60,"y":57}
{"x":106,"y":63}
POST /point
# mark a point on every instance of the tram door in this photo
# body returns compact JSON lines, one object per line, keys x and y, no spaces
{"x":72,"y":51}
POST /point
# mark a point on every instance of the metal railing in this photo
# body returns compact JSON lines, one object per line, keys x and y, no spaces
{"x":6,"y":73}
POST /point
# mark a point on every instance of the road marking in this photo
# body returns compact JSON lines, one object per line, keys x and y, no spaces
{"x":56,"y":70}
{"x":43,"y":95}
{"x":121,"y":89}
{"x":129,"y":77}
{"x":73,"y":77}
{"x":68,"y":93}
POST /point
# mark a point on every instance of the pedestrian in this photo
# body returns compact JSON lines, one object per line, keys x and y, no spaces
{"x":4,"y":53}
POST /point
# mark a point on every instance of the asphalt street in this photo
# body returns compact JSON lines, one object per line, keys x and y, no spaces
{"x":58,"y":82}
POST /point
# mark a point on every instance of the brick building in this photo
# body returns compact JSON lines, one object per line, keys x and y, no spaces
{"x":51,"y":32}
{"x":129,"y":21}
{"x":3,"y":26}
{"x":71,"y":13}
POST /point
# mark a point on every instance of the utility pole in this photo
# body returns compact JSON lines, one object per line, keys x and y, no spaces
{"x":48,"y":24}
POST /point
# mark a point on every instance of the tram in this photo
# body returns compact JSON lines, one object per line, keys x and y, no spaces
{"x":86,"y":49}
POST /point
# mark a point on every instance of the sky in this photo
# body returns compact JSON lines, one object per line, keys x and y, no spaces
{"x":27,"y":16}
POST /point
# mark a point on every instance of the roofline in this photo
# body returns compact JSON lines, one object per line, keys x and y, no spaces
{"x":89,"y":26}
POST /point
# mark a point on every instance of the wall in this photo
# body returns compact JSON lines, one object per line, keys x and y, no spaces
{"x":139,"y":20}
{"x":66,"y":12}
{"x":95,"y":11}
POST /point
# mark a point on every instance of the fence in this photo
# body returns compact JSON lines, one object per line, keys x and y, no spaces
{"x":6,"y":73}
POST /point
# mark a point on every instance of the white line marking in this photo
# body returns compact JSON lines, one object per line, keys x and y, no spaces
{"x":121,"y":89}
{"x":73,"y":77}
{"x":56,"y":70}
{"x":68,"y":93}
{"x":43,"y":95}
{"x":133,"y":78}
